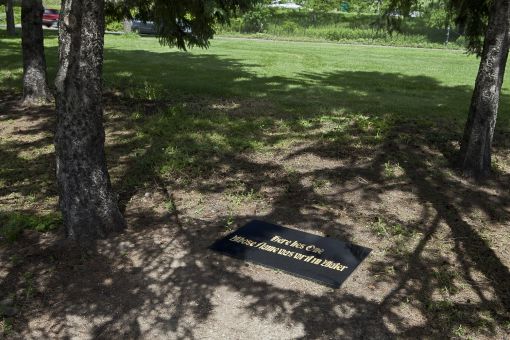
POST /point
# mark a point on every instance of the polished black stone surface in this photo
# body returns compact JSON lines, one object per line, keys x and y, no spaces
{"x":321,"y":259}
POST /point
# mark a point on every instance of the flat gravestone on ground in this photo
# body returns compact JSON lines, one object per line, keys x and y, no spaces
{"x":321,"y":259}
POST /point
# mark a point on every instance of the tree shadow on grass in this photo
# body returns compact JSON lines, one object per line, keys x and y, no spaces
{"x":158,"y":279}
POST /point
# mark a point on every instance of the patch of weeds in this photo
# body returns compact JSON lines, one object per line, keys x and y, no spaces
{"x":389,"y":270}
{"x":292,"y":179}
{"x":149,"y":92}
{"x":199,"y":205}
{"x":363,"y":122}
{"x":6,"y":326}
{"x":238,"y":193}
{"x":29,"y":289}
{"x":485,"y":321}
{"x":485,"y":235}
{"x":400,"y":230}
{"x":229,"y":224}
{"x":459,"y":331}
{"x":170,"y":206}
{"x":13,"y":224}
{"x":440,"y":306}
{"x":400,"y":246}
{"x":439,"y":162}
{"x":382,"y":228}
{"x":392,"y":170}
{"x":446,"y":280}
{"x":398,"y":234}
{"x":135,"y":116}
{"x":305,"y":123}
{"x":319,"y":183}
{"x":250,"y":195}
{"x":32,"y":198}
{"x":371,"y":130}
{"x":449,"y":316}
{"x":16,"y":260}
{"x":379,"y":227}
{"x":405,"y":138}
{"x":497,"y":165}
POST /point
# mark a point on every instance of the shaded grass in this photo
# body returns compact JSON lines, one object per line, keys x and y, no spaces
{"x":13,"y":224}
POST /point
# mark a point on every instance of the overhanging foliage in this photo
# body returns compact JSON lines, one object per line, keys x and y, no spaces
{"x":181,"y":23}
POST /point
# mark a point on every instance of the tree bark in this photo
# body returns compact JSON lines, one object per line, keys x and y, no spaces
{"x":35,"y":85}
{"x":87,"y":202}
{"x":9,"y":17}
{"x":475,"y":152}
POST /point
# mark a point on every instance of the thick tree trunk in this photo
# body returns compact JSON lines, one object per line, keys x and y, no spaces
{"x":9,"y":17}
{"x":88,"y":204}
{"x":35,"y":85}
{"x":475,"y":152}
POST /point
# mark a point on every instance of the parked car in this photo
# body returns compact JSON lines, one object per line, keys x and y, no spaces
{"x":51,"y":17}
{"x":143,"y":27}
{"x":149,"y":27}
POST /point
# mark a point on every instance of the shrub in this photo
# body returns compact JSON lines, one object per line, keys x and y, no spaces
{"x":115,"y":26}
{"x":255,"y":21}
{"x":290,"y":26}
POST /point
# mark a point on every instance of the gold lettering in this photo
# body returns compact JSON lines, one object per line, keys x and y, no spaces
{"x":314,"y":249}
{"x":286,"y":253}
{"x":269,"y":248}
{"x":280,"y":240}
{"x":299,"y":256}
{"x":333,"y":265}
{"x":297,"y":245}
{"x":242,"y":240}
{"x":294,"y":244}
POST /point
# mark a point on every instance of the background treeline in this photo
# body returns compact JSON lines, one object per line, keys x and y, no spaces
{"x":348,"y":27}
{"x":355,"y":21}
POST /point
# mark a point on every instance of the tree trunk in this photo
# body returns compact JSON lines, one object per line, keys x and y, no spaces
{"x":87,"y":202}
{"x":9,"y":17}
{"x":35,"y":85}
{"x":475,"y":152}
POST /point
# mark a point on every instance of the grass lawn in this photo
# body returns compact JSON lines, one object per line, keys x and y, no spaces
{"x":354,"y":142}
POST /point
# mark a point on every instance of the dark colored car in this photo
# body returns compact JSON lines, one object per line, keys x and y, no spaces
{"x":50,"y":17}
{"x":143,"y":27}
{"x":149,"y":27}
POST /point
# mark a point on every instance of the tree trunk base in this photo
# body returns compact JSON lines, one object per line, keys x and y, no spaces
{"x":86,"y":229}
{"x":89,"y":206}
{"x":34,"y":101}
{"x":35,"y":85}
{"x":475,"y":151}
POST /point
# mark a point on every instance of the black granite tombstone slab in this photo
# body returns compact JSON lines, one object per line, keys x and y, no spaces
{"x":322,"y":259}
